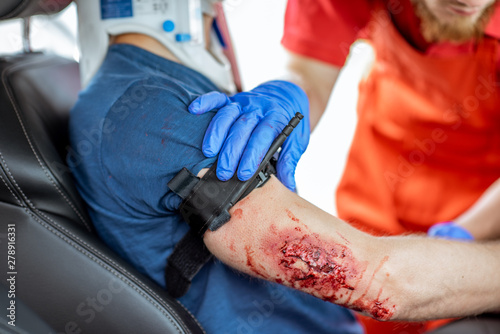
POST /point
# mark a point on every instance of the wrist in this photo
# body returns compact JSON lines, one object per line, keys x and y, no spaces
{"x":377,"y":291}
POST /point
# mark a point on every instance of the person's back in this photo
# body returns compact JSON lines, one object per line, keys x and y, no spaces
{"x":131,"y":133}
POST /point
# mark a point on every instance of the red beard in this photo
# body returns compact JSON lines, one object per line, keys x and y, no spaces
{"x":457,"y":30}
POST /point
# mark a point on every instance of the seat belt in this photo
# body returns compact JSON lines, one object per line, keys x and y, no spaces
{"x":206,"y":203}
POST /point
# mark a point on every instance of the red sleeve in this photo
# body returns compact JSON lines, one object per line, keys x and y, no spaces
{"x":324,"y":29}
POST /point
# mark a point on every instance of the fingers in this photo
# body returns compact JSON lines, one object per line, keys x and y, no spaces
{"x":286,"y":170}
{"x":234,"y":145}
{"x":291,"y":152}
{"x":208,"y":102}
{"x":258,"y":145}
{"x":219,"y":128}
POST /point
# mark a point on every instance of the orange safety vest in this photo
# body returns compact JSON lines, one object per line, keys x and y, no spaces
{"x":427,"y":142}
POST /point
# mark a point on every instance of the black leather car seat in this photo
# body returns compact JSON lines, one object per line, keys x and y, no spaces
{"x":62,"y":271}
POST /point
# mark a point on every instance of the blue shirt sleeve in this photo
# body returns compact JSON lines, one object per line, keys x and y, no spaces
{"x":148,"y":136}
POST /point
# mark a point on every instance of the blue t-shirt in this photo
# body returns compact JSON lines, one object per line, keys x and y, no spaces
{"x":130,"y":134}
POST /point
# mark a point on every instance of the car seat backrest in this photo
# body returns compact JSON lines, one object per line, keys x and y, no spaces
{"x":38,"y":92}
{"x":61,"y":269}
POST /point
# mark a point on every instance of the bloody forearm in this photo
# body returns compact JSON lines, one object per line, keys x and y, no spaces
{"x":275,"y":235}
{"x":293,"y":243}
{"x":327,"y":269}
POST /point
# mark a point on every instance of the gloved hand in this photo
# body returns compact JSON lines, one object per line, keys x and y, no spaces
{"x":449,"y":230}
{"x":246,"y":125}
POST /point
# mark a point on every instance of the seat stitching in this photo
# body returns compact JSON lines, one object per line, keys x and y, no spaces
{"x":107,"y":267}
{"x":11,"y":191}
{"x":132,"y":278}
{"x":9,"y":94}
{"x":60,"y":227}
{"x":100,"y":263}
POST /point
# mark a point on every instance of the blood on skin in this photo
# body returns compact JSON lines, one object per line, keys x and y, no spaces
{"x":273,"y":229}
{"x":292,"y":216}
{"x":251,"y":262}
{"x":376,"y":308}
{"x":238,"y":213}
{"x":343,"y":238}
{"x":311,"y":266}
{"x":327,"y":270}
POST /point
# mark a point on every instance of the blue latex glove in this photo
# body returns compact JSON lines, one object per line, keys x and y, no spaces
{"x":246,"y":125}
{"x":449,"y":230}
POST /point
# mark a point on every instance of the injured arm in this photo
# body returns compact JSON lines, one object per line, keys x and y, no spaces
{"x":275,"y":235}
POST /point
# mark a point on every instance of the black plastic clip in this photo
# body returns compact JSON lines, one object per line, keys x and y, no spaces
{"x":206,"y":205}
{"x":207,"y":201}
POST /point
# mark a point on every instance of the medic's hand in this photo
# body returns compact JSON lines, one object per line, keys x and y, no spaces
{"x":449,"y":230}
{"x":246,"y":125}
